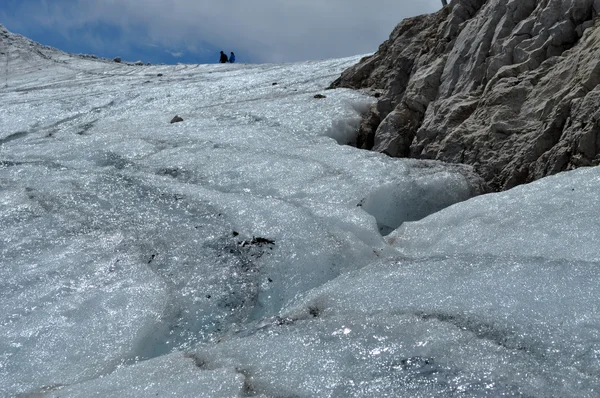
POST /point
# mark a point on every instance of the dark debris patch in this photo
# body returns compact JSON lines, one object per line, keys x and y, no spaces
{"x":256,"y":241}
{"x":314,"y":311}
{"x":416,"y":362}
{"x":255,"y":247}
{"x":200,"y":363}
{"x":170,"y":171}
{"x":10,"y":163}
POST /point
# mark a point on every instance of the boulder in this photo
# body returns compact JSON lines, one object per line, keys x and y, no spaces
{"x":508,"y":86}
{"x":176,"y":119}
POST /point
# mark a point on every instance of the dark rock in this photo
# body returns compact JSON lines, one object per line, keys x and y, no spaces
{"x":256,"y":241}
{"x":262,"y":241}
{"x":117,"y":59}
{"x":366,"y":130}
{"x":159,"y":75}
{"x":176,"y":119}
{"x":320,"y":96}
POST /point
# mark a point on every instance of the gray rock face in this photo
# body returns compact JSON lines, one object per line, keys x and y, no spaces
{"x":508,"y":86}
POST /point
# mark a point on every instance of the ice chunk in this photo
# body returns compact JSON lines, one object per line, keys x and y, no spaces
{"x":416,"y":198}
{"x":344,"y":129}
{"x":556,"y":217}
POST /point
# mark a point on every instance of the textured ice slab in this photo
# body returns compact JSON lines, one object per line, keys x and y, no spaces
{"x":508,"y":308}
{"x":125,"y":237}
{"x":468,"y":326}
{"x":168,"y":376}
{"x":556,"y":217}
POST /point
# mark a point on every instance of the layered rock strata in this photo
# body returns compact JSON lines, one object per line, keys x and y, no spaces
{"x":510,"y":87}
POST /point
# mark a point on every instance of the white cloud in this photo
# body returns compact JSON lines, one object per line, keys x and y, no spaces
{"x":269,"y":30}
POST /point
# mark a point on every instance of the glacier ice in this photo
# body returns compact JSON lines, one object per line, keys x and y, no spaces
{"x":241,"y":252}
{"x":172,"y":375}
{"x":556,"y":217}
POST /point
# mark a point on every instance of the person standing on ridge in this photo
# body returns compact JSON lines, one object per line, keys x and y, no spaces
{"x":223,"y":59}
{"x":232,"y":57}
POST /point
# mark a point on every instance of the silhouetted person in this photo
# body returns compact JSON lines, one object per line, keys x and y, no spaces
{"x":232,"y":57}
{"x":223,"y":59}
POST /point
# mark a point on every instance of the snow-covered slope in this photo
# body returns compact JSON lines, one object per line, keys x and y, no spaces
{"x":240,"y":252}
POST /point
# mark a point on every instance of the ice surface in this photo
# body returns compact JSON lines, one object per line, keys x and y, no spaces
{"x":394,"y":204}
{"x":466,"y":326}
{"x":556,"y":218}
{"x":240,"y":252}
{"x":174,"y":375}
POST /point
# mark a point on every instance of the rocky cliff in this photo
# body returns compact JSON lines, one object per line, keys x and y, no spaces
{"x":508,"y":86}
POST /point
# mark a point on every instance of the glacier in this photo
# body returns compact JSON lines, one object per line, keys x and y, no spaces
{"x":250,"y":251}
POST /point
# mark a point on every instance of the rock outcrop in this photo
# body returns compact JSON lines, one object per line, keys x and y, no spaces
{"x":508,"y":86}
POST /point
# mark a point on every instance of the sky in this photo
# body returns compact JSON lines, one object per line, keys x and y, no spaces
{"x":194,"y":31}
